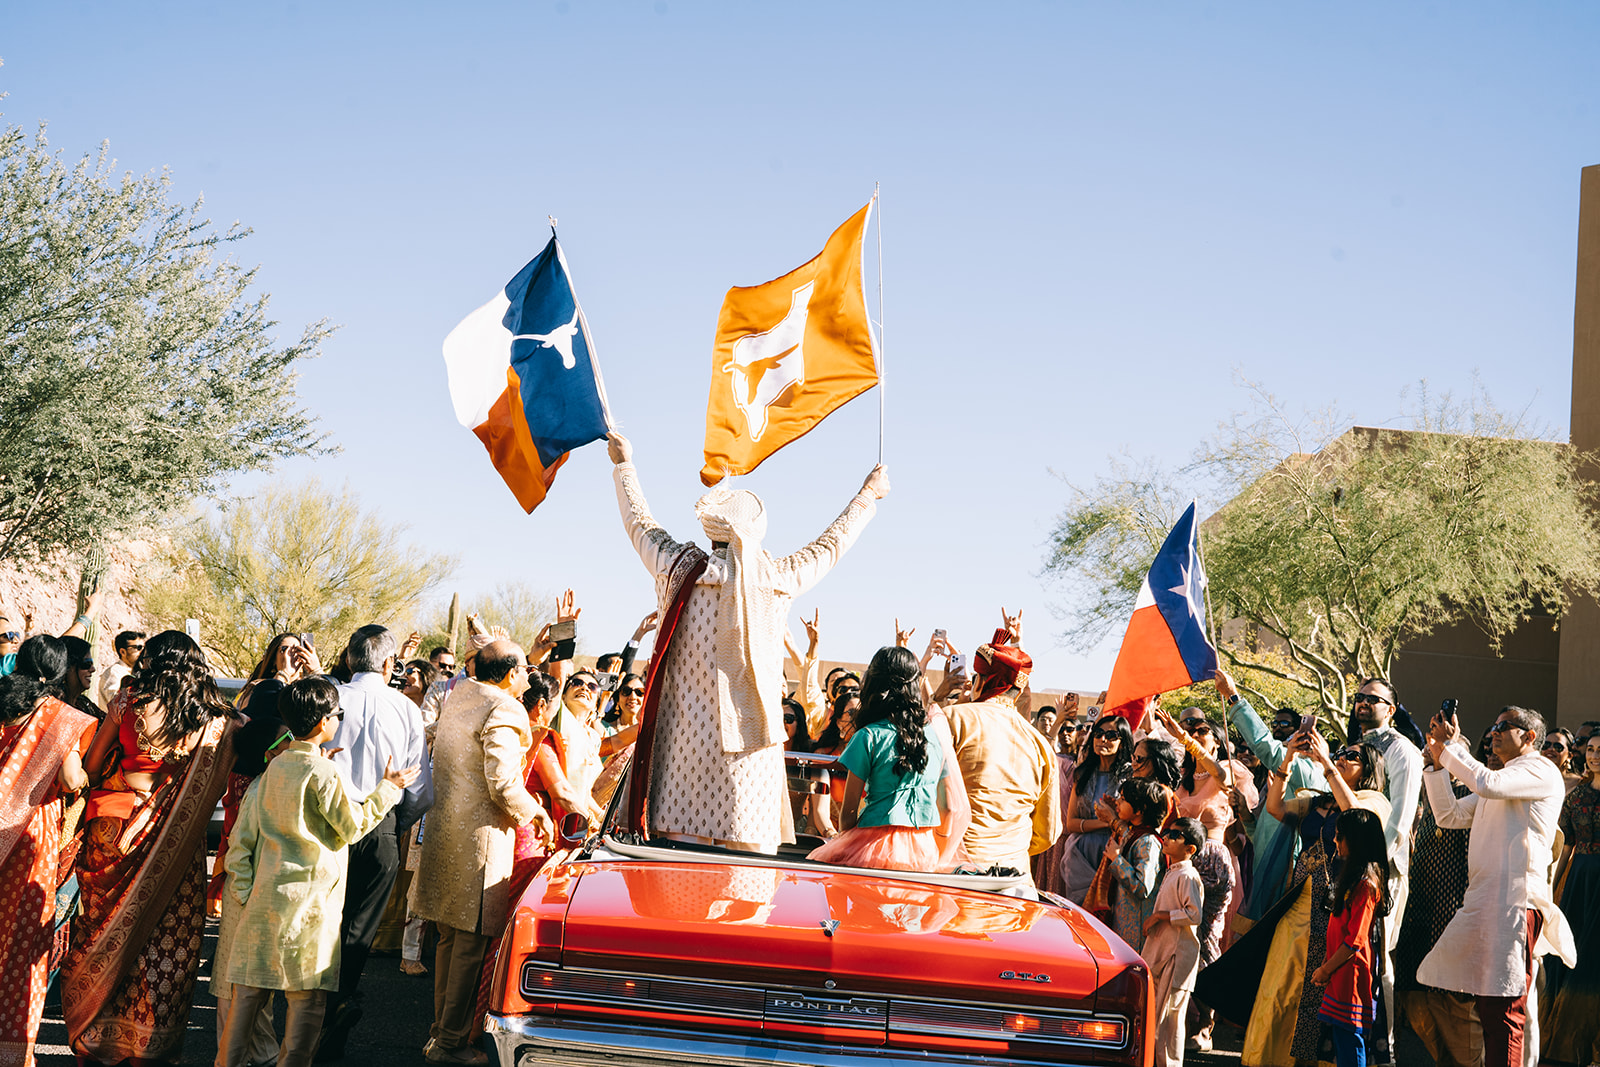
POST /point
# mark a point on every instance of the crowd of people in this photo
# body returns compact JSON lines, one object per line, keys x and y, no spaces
{"x":1313,"y":894}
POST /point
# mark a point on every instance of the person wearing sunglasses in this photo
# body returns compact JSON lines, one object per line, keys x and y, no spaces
{"x":128,"y":645}
{"x":10,"y":640}
{"x":577,"y":720}
{"x":1106,"y":761}
{"x":1559,"y":746}
{"x":1507,"y":918}
{"x":1274,"y":846}
{"x":1262,"y":976}
{"x":286,"y":865}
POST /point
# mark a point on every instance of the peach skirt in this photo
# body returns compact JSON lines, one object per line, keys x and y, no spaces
{"x":891,"y":848}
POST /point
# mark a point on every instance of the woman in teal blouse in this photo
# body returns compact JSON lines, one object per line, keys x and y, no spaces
{"x":902,"y":763}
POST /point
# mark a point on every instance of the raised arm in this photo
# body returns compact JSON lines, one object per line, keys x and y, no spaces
{"x":804,"y":567}
{"x":655,"y":547}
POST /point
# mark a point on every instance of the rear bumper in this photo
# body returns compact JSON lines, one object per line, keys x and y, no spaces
{"x":542,"y":1041}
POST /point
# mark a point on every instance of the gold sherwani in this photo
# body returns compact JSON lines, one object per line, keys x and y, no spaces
{"x":1010,"y":774}
{"x":703,"y":787}
{"x":469,"y":840}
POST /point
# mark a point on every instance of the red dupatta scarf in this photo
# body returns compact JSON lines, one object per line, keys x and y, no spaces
{"x":685,"y":571}
{"x":144,"y":880}
{"x":30,"y":759}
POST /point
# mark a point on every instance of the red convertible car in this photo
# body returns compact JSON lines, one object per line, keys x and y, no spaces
{"x":631,"y":951}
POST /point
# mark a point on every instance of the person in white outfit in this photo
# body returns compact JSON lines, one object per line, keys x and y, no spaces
{"x":717,"y":776}
{"x":1508,"y":917}
{"x":1172,"y":945}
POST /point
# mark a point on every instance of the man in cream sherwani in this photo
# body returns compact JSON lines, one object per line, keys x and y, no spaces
{"x":717,"y":775}
{"x":469,"y":842}
{"x":1508,"y":917}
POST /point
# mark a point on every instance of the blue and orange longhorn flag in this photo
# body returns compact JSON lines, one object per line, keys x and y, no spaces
{"x":524,"y":377}
{"x":1166,"y":647}
{"x":787,"y":354}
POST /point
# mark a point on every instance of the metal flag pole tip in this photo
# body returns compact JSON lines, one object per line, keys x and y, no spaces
{"x":552,"y":219}
{"x":877,"y":202}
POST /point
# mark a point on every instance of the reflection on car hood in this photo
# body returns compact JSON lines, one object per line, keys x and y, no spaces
{"x":810,"y":925}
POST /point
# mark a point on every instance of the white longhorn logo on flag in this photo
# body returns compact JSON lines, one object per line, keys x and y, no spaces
{"x":766,"y":365}
{"x":559,"y":339}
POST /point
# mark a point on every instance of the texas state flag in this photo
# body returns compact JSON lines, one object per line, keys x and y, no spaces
{"x":1166,"y":647}
{"x":524,"y":378}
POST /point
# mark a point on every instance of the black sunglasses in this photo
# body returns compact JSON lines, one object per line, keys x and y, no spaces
{"x":1502,"y":727}
{"x":1351,"y":754}
{"x":10,"y":635}
{"x":1192,"y":725}
{"x":1368,"y":698}
{"x":633,"y":692}
{"x":1555,"y":744}
{"x":789,"y":720}
{"x":1111,"y":735}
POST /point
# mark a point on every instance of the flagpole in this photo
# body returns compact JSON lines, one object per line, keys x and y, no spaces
{"x":1210,"y":626}
{"x":877,"y":199}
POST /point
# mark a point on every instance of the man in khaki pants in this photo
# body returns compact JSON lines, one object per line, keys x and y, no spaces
{"x":469,"y":845}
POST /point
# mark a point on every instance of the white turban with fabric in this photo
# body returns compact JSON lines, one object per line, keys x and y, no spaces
{"x":749,"y":648}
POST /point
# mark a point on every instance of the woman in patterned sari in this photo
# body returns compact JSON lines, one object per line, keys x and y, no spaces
{"x":41,"y":744}
{"x":1276,"y":957}
{"x":161,"y":758}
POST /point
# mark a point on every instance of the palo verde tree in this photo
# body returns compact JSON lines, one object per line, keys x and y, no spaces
{"x":289,"y":559}
{"x":137,"y":367}
{"x":1332,"y":549}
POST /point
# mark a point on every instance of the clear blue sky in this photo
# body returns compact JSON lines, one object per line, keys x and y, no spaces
{"x":1095,"y":215}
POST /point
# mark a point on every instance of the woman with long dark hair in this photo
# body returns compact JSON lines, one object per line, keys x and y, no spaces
{"x":42,"y":741}
{"x":1265,"y":976}
{"x":1104,"y":764}
{"x":287,"y":658}
{"x":841,"y":727}
{"x":1359,"y":895}
{"x":1204,"y":793}
{"x":1569,"y":1010}
{"x":901,"y":762}
{"x":159,"y":762}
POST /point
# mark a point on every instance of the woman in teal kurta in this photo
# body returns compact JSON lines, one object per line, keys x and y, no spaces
{"x":902,"y":762}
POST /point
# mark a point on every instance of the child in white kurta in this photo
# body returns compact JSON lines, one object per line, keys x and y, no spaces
{"x":1171,"y":945}
{"x":286,"y":876}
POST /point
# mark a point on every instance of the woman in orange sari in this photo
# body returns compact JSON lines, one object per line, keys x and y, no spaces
{"x":42,"y":741}
{"x":161,"y":758}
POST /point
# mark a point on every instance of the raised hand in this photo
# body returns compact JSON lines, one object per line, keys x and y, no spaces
{"x":646,"y":624}
{"x":1013,"y":625}
{"x":902,"y":638}
{"x":877,"y":482}
{"x":618,"y":448}
{"x":401,"y":778}
{"x":565,"y":609}
{"x":813,"y":629}
{"x":409,"y":648}
{"x":1224,"y":683}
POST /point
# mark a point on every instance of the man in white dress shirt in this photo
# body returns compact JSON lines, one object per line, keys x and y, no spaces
{"x":379,"y":728}
{"x":1507,"y":917}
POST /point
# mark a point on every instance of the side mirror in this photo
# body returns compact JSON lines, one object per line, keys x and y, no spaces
{"x":574,"y":828}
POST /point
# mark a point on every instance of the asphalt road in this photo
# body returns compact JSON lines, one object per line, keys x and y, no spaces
{"x":398,"y":1011}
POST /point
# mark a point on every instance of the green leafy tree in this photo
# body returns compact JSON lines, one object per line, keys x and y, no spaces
{"x":137,"y":368}
{"x":1333,"y":549}
{"x":292,"y":559}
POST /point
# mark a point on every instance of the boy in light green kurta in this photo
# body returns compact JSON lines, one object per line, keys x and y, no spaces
{"x":286,"y":872}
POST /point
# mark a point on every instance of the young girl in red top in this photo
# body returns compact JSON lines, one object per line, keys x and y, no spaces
{"x":1359,"y":896}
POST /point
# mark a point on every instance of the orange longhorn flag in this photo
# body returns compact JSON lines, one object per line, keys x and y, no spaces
{"x":788,"y":353}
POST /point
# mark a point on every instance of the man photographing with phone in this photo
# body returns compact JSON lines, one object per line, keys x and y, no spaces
{"x":1507,"y":916}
